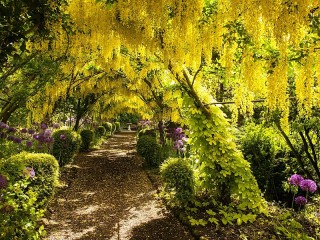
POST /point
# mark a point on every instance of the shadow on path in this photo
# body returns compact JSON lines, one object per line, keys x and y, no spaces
{"x":107,"y":195}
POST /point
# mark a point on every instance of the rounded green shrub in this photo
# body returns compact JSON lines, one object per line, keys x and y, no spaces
{"x":100,"y":131}
{"x":86,"y":139}
{"x":108,"y":127}
{"x":178,"y":179}
{"x":65,"y":146}
{"x":150,"y":150}
{"x":46,"y":170}
{"x":32,"y":178}
{"x":117,"y":126}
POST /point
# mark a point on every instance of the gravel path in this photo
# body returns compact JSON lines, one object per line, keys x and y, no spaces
{"x":108,"y":195}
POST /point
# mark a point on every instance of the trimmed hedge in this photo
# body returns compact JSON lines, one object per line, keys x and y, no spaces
{"x":178,"y":179}
{"x":31,"y":181}
{"x":150,"y":150}
{"x":86,"y":139}
{"x":45,"y":166}
{"x":108,"y":127}
{"x":117,"y":126}
{"x":66,"y":144}
{"x":100,"y":131}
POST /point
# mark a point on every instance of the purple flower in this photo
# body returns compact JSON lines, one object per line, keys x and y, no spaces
{"x":47,"y":133}
{"x":48,"y":140}
{"x":3,"y":181}
{"x":295,"y":179}
{"x":308,"y":185}
{"x":11,"y":129}
{"x":62,"y":137}
{"x":300,"y":200}
{"x":180,"y":143}
{"x":178,"y":130}
{"x":23,"y":130}
{"x":10,"y":138}
{"x":39,"y":146}
{"x":17,"y":140}
{"x":31,"y":131}
{"x":3,"y":125}
{"x":56,"y":125}
{"x":29,"y":144}
{"x":29,"y":172}
{"x":35,"y":136}
{"x":43,"y":126}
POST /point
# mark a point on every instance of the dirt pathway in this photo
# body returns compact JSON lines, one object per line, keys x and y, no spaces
{"x":108,"y":195}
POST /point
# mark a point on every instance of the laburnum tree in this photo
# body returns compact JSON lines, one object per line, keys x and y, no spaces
{"x":255,"y":46}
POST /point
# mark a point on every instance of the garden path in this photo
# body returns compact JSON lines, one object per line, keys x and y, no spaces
{"x":108,"y":195}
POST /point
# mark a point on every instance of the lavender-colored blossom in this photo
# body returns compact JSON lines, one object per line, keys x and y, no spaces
{"x":178,"y":130}
{"x":62,"y":137}
{"x":48,"y":140}
{"x":35,"y":136}
{"x":308,"y":185}
{"x":10,"y":138}
{"x":41,"y":137}
{"x":56,"y":125}
{"x":11,"y":129}
{"x":300,"y":200}
{"x":29,"y":172}
{"x":29,"y":144}
{"x":3,"y":125}
{"x":43,"y":126}
{"x":31,"y":131}
{"x":17,"y":140}
{"x":3,"y":181}
{"x":47,"y":133}
{"x":295,"y":179}
{"x":39,"y":146}
{"x":23,"y":130}
{"x":180,"y":143}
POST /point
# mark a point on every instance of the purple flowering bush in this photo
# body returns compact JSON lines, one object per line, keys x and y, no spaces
{"x":177,"y":138}
{"x":35,"y":139}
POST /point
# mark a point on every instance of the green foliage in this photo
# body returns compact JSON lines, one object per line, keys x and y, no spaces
{"x":86,"y":139}
{"x":100,"y":131}
{"x":24,"y":200}
{"x":129,"y":118}
{"x":19,"y":212}
{"x":149,"y":132}
{"x":45,"y":166}
{"x":65,"y":146}
{"x":223,"y":174}
{"x":178,"y":179}
{"x":264,"y":149}
{"x":117,"y":126}
{"x":108,"y":127}
{"x":149,"y":149}
{"x":288,"y":227}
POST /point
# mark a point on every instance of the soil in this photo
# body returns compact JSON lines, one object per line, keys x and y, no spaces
{"x":106,"y":194}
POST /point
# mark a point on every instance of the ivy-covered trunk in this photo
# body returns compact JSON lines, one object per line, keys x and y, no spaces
{"x":223,"y":172}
